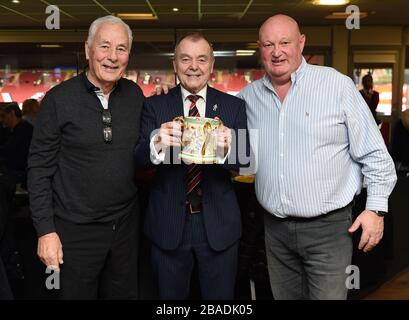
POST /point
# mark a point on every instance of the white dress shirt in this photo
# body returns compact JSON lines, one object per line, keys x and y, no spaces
{"x":314,"y":148}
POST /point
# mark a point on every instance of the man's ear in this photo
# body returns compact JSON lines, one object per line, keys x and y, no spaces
{"x":302,"y":42}
{"x":174,"y":64}
{"x":212,"y":65}
{"x":86,"y":47}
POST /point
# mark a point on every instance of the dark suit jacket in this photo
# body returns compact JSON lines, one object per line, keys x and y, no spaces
{"x":166,"y":211}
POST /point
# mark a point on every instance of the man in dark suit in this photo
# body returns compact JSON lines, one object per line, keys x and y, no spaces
{"x":192,"y":214}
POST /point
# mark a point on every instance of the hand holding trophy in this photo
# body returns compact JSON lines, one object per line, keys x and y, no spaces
{"x":201,"y":138}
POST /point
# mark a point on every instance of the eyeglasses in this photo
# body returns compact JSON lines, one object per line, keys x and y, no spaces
{"x":107,"y":121}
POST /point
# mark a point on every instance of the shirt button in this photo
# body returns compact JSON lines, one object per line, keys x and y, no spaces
{"x":281,"y":154}
{"x":114,"y":227}
{"x":282,"y":176}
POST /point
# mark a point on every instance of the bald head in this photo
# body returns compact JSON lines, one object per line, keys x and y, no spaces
{"x":281,"y":45}
{"x":281,"y":20}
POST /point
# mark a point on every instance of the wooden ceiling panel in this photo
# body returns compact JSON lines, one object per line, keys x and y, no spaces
{"x":223,"y":9}
{"x":61,"y":2}
{"x":225,"y":2}
{"x":128,"y":9}
{"x":211,"y":14}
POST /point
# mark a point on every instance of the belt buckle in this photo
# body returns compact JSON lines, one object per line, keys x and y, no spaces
{"x":191,"y":211}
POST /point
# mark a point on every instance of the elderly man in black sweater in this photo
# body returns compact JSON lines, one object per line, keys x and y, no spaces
{"x":81,"y":170}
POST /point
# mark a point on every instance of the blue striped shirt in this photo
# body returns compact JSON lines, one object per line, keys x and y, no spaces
{"x":313,"y":149}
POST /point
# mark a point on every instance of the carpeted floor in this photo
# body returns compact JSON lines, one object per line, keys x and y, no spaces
{"x":395,"y":289}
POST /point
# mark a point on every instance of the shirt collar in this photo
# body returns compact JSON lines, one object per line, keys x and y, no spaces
{"x":202,"y":93}
{"x":90,"y":86}
{"x":295,"y":76}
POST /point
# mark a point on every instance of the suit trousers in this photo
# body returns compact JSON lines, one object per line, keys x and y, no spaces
{"x":308,"y":257}
{"x":100,"y":259}
{"x":216,"y":269}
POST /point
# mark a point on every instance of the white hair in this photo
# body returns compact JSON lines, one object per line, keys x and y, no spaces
{"x":108,"y":20}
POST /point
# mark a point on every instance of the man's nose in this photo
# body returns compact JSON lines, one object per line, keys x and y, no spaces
{"x":194,"y":64}
{"x":276,"y":51}
{"x":112,"y":55}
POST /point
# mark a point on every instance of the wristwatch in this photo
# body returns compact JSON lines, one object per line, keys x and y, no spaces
{"x":380,"y":213}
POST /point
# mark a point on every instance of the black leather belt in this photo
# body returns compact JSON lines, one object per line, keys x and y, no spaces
{"x":303,"y":219}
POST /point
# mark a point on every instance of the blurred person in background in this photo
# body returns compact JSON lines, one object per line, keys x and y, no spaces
{"x":400,"y":142}
{"x":370,"y":96}
{"x":30,"y":109}
{"x":4,"y":131}
{"x":13,"y":173}
{"x":14,"y":151}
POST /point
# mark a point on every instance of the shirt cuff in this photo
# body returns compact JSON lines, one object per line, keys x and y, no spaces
{"x":156,"y":157}
{"x":44,"y":226}
{"x":376,"y":203}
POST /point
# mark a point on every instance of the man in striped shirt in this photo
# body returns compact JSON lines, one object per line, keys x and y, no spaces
{"x":316,"y":141}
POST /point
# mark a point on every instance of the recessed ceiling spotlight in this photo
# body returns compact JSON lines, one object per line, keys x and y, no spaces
{"x":137,"y":16}
{"x":15,"y":1}
{"x":330,"y":2}
{"x":175,"y":9}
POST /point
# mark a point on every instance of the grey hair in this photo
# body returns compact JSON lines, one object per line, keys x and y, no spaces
{"x":195,"y":37}
{"x":108,"y":20}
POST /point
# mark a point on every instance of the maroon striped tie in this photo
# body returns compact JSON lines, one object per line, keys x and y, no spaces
{"x":194,"y":171}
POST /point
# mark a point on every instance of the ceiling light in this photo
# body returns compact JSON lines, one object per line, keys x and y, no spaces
{"x":137,"y":16}
{"x":344,"y":15}
{"x":330,"y":2}
{"x":223,"y":53}
{"x":245,"y":52}
{"x":15,"y":1}
{"x":50,"y":46}
{"x":252,"y":45}
{"x":175,"y":9}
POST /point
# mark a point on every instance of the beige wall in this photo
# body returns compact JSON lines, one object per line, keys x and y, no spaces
{"x":375,"y":36}
{"x":340,"y":47}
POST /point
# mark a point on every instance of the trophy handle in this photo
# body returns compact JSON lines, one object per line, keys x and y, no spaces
{"x":181,"y":120}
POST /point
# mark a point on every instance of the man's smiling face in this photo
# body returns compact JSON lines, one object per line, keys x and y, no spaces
{"x":193,"y":64}
{"x":107,"y":55}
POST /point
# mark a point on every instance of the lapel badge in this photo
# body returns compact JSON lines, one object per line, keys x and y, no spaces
{"x":215,"y":107}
